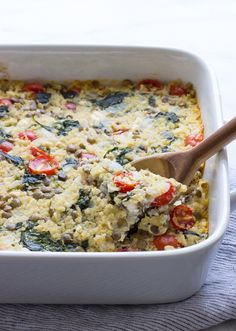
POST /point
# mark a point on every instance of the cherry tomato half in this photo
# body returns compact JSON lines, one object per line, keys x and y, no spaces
{"x":151,"y":83}
{"x":44,"y":166}
{"x":6,"y":146}
{"x":181,"y":217}
{"x":34,"y":87}
{"x":38,"y":152}
{"x":193,"y":139}
{"x":164,"y":198}
{"x":177,"y":90}
{"x":5,"y":102}
{"x":31,"y":135}
{"x":165,"y":240}
{"x":124,"y":181}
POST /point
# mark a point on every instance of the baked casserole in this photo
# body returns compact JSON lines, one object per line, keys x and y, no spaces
{"x":66,"y":183}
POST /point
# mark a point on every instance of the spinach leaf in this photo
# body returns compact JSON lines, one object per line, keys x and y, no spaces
{"x":152,"y":101}
{"x":43,"y":97}
{"x":170,"y":116}
{"x":112,"y":196}
{"x":18,"y":225}
{"x":133,"y":229}
{"x":30,"y":179}
{"x":192,"y":233}
{"x":62,"y":126}
{"x":71,"y":161}
{"x":46,"y":127}
{"x":84,"y":199}
{"x":36,"y":241}
{"x":100,"y":125}
{"x":165,"y":149}
{"x":68,"y":94}
{"x":3,"y":134}
{"x":168,"y":136}
{"x":16,"y":160}
{"x":121,"y":157}
{"x":3,"y":111}
{"x":85,"y":244}
{"x":65,"y":126}
{"x":110,"y":150}
{"x":111,"y":99}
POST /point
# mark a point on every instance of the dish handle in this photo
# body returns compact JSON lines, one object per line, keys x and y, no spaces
{"x":233,"y":200}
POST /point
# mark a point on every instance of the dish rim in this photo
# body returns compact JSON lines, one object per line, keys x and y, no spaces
{"x":199,"y":247}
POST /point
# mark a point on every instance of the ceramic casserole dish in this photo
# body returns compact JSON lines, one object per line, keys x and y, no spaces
{"x":117,"y":277}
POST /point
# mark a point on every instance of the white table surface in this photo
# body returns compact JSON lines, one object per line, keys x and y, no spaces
{"x":206,"y":27}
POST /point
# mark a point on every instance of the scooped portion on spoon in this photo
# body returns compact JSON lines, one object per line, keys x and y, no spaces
{"x":182,"y":166}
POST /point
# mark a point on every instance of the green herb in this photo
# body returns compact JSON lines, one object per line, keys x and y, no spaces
{"x":46,"y":127}
{"x":168,"y":136}
{"x":121,"y":157}
{"x":43,"y":97}
{"x":46,"y":149}
{"x":16,"y":160}
{"x":18,"y":225}
{"x":112,"y":196}
{"x":30,"y":179}
{"x":111,"y":99}
{"x":68,"y":94}
{"x":3,"y":111}
{"x":84,"y":199}
{"x":165,"y":149}
{"x":100,"y":125}
{"x":192,"y":233}
{"x":70,"y":161}
{"x":170,"y":116}
{"x":36,"y":241}
{"x":65,"y":126}
{"x":30,"y":225}
{"x":3,"y":134}
{"x":85,"y":244}
{"x":152,"y":101}
{"x":62,"y":127}
{"x":110,"y":150}
{"x":133,"y":229}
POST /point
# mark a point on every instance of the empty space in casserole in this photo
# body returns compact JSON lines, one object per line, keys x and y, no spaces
{"x":66,"y":179}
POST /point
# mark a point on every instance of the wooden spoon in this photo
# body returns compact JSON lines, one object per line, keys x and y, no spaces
{"x":183,"y":165}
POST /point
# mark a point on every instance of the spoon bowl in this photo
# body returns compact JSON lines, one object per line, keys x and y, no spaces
{"x":183,"y":165}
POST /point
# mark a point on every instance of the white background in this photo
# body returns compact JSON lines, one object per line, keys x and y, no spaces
{"x":207,"y":27}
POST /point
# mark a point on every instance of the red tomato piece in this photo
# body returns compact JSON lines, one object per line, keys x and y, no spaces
{"x":44,"y":166}
{"x":34,"y":87}
{"x":5,"y":102}
{"x":151,"y":83}
{"x":193,"y":139}
{"x":37,"y":152}
{"x":164,"y":198}
{"x":43,"y":162}
{"x":177,"y":90}
{"x":124,"y":181}
{"x":181,"y":217}
{"x":165,"y":240}
{"x":6,"y":146}
{"x":31,"y":135}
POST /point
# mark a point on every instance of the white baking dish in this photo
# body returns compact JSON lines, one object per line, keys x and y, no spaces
{"x":131,"y":277}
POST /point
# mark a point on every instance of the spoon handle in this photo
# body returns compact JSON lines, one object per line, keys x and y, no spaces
{"x":215,"y":142}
